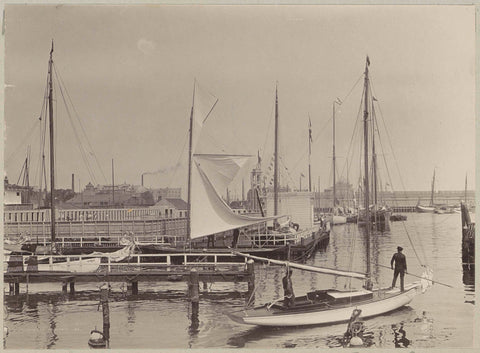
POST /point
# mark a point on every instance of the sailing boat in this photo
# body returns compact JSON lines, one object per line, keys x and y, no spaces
{"x":379,"y":216}
{"x":208,"y":214}
{"x":13,"y":250}
{"x":430,"y":208}
{"x":334,"y":306}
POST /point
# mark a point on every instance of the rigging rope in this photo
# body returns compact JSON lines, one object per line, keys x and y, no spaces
{"x":403,"y":186}
{"x":81,"y":147}
{"x":92,"y":151}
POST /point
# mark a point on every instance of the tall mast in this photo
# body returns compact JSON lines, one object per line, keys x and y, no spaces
{"x":333,"y":159}
{"x":275,"y":170}
{"x":113,"y":184}
{"x":309,"y":154}
{"x":433,"y":188}
{"x":465,"y":188}
{"x":368,"y":283}
{"x":374,"y":160}
{"x":52,"y":151}
{"x":189,"y":186}
{"x":337,"y":101}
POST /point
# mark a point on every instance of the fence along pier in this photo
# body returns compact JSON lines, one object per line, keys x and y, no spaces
{"x":209,"y":268}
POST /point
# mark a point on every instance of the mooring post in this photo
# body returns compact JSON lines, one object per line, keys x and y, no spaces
{"x":251,"y":281}
{"x":194,"y":297}
{"x":135,"y":288}
{"x":106,"y":312}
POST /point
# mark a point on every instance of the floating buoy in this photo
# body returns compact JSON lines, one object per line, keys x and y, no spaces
{"x":356,"y":341}
{"x":97,"y":340}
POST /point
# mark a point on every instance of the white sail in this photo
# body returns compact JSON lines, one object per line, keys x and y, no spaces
{"x":209,"y":214}
{"x":325,"y":270}
{"x":221,"y":169}
{"x":203,"y":105}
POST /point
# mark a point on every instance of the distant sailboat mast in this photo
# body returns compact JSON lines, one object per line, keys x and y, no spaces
{"x":309,"y":154}
{"x":275,"y":170}
{"x":52,"y":151}
{"x":368,"y":283}
{"x":433,"y":188}
{"x":337,"y":101}
{"x":189,"y":186}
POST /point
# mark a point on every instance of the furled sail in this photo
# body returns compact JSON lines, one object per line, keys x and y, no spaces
{"x":209,"y":214}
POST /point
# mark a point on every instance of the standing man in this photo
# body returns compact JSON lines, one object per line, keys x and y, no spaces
{"x":400,"y":267}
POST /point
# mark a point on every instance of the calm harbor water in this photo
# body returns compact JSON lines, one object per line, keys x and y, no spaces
{"x":159,"y":316}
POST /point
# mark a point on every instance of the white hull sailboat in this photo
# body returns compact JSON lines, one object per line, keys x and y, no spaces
{"x":331,"y":306}
{"x":424,"y":209}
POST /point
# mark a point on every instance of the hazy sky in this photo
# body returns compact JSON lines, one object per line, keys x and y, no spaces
{"x":129,"y":71}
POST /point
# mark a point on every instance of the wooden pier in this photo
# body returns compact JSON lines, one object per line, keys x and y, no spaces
{"x":210,"y":268}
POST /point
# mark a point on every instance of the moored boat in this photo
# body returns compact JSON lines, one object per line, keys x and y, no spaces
{"x":321,"y":307}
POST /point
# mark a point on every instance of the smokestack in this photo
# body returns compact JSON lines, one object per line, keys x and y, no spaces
{"x":73,"y":182}
{"x":142,"y":179}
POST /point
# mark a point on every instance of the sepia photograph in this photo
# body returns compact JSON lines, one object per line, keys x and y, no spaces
{"x":245,"y":176}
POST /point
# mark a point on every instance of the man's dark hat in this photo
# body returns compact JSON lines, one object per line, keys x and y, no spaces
{"x":399,"y":248}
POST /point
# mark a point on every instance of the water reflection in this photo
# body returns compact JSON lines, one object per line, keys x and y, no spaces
{"x":400,"y":337}
{"x":468,"y":280}
{"x":52,"y":320}
{"x":46,"y":318}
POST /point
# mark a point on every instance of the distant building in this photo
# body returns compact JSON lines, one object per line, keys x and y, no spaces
{"x":102,"y":197}
{"x":239,"y":207}
{"x":166,"y":193}
{"x":16,"y":197}
{"x":172,"y":207}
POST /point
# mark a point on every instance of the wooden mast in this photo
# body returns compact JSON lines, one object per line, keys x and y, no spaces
{"x":113,"y":184}
{"x":275,"y":170}
{"x":189,"y":185}
{"x":333,"y":159}
{"x":309,"y":154}
{"x":337,"y":101}
{"x":368,"y":284}
{"x":433,"y":188}
{"x":374,"y":169}
{"x":52,"y":151}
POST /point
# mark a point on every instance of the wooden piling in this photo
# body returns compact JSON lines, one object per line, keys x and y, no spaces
{"x":251,"y":281}
{"x":17,"y":288}
{"x":11,"y":288}
{"x":194,"y":297}
{"x":135,"y":288}
{"x":72,"y":287}
{"x":106,"y":312}
{"x":64,"y":287}
{"x":193,"y":286}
